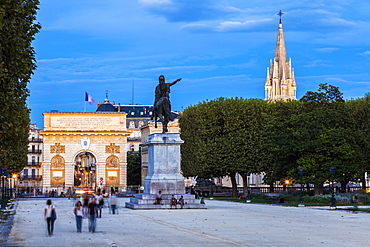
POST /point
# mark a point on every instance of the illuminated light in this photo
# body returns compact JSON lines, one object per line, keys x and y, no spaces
{"x":287,"y":182}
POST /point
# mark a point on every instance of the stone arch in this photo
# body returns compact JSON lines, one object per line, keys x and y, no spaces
{"x":85,"y":169}
{"x":57,"y":171}
{"x":112,"y":168}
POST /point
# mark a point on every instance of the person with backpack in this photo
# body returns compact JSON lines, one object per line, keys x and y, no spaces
{"x":50,"y":216}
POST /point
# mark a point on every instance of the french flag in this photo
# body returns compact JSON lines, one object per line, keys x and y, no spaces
{"x":89,"y":98}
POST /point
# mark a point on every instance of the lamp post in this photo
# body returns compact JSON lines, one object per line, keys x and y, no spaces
{"x":211,"y":194}
{"x":3,"y":200}
{"x":301,"y":204}
{"x":14,"y":177}
{"x":333,"y":200}
{"x":249,"y":198}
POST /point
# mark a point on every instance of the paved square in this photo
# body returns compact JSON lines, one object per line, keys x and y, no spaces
{"x":222,"y":224}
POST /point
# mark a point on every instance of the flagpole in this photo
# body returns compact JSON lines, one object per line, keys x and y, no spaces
{"x":84,"y":101}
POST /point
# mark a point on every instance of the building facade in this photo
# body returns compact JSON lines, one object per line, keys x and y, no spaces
{"x":31,"y":176}
{"x":84,"y":149}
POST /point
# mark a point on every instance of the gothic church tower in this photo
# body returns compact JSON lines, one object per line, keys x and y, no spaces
{"x":280,"y":82}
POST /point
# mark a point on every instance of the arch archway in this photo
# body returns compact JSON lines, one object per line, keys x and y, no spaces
{"x":85,"y":170}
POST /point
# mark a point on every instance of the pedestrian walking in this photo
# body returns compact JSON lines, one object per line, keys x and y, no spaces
{"x":79,"y":213}
{"x":100,"y":206}
{"x":113,"y":203}
{"x":92,"y":215}
{"x":50,"y":216}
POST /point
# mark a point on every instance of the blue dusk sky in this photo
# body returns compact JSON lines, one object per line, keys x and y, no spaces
{"x":220,"y":48}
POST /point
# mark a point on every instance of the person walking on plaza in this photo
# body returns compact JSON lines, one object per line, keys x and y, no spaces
{"x":50,"y":216}
{"x":92,"y":208}
{"x":113,"y":203}
{"x":79,"y":213}
{"x":85,"y":204}
{"x":100,"y":204}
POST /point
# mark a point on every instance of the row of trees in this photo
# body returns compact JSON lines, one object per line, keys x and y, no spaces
{"x":320,"y":131}
{"x":17,"y":62}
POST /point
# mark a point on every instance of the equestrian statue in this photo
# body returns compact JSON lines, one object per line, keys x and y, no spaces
{"x":162,"y":104}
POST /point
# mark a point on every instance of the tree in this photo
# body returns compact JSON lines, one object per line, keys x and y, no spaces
{"x":360,"y":109}
{"x":281,"y":141}
{"x":17,"y":62}
{"x":222,"y":137}
{"x":329,"y":136}
{"x":133,"y":168}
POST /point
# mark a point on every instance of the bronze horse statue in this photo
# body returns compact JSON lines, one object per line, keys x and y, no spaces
{"x":163,"y":112}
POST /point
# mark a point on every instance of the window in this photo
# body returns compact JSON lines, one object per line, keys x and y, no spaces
{"x":25,"y":173}
{"x":259,"y":179}
{"x":252,"y":179}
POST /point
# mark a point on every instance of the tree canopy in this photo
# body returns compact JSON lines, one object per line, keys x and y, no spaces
{"x":228,"y":136}
{"x":18,"y":27}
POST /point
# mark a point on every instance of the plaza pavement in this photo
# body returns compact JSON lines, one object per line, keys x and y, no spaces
{"x":222,"y":224}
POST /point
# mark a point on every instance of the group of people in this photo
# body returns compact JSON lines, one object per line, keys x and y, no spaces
{"x":173,"y":201}
{"x":90,"y":208}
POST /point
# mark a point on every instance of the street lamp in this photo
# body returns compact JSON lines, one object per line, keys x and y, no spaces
{"x":301,"y":204}
{"x":12,"y":188}
{"x":211,"y":195}
{"x":333,"y":200}
{"x":249,"y":198}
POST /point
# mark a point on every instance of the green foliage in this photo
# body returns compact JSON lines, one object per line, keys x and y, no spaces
{"x":314,"y":134}
{"x":133,"y":168}
{"x":223,"y":137}
{"x":325,"y":94}
{"x":17,"y":62}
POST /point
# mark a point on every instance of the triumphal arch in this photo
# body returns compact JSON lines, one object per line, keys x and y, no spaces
{"x":84,"y":149}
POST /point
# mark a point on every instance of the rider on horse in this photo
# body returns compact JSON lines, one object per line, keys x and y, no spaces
{"x":162,"y":94}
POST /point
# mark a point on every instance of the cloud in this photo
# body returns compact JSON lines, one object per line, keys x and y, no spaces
{"x":249,"y":25}
{"x":365,"y":54}
{"x":188,"y":10}
{"x":317,"y":63}
{"x":327,"y":49}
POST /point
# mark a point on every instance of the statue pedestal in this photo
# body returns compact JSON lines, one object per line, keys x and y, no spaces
{"x":163,"y":174}
{"x":164,"y":164}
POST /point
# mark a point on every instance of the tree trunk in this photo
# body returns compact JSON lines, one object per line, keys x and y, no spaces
{"x":245,"y":183}
{"x":271,"y":187}
{"x":363,"y":182}
{"x":319,"y":188}
{"x":235,"y":187}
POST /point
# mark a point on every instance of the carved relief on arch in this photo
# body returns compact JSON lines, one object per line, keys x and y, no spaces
{"x":57,"y":172}
{"x":112,"y":162}
{"x":57,"y":162}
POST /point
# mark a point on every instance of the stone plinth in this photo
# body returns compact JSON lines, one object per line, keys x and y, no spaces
{"x":163,"y":175}
{"x":164,"y":164}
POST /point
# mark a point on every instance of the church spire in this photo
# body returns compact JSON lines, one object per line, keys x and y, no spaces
{"x":280,"y":83}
